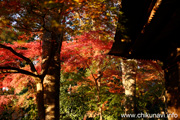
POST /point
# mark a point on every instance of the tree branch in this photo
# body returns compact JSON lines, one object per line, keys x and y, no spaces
{"x":33,"y":69}
{"x":17,"y":70}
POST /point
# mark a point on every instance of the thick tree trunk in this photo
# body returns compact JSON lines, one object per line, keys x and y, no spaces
{"x":51,"y":68}
{"x":129,"y":83}
{"x":172,"y":75}
{"x":40,"y":100}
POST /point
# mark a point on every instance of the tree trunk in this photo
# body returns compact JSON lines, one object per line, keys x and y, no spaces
{"x":51,"y":70}
{"x":129,"y":83}
{"x":40,"y":100}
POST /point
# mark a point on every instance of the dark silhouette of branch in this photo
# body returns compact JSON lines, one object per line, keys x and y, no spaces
{"x":33,"y":69}
{"x":10,"y":69}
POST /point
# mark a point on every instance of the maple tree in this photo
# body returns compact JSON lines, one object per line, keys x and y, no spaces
{"x":46,"y":20}
{"x":51,"y":22}
{"x":83,"y":59}
{"x":92,"y":81}
{"x":90,"y":72}
{"x":22,"y":86}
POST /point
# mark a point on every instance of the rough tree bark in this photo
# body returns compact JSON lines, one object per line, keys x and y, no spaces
{"x":51,"y":73}
{"x":40,"y":98}
{"x":129,"y":83}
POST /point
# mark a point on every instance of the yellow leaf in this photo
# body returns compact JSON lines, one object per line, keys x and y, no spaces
{"x":79,"y":1}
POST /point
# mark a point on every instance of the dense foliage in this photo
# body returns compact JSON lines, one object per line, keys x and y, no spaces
{"x":91,"y":81}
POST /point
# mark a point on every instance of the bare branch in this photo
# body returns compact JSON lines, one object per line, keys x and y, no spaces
{"x":9,"y":69}
{"x":33,"y":69}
